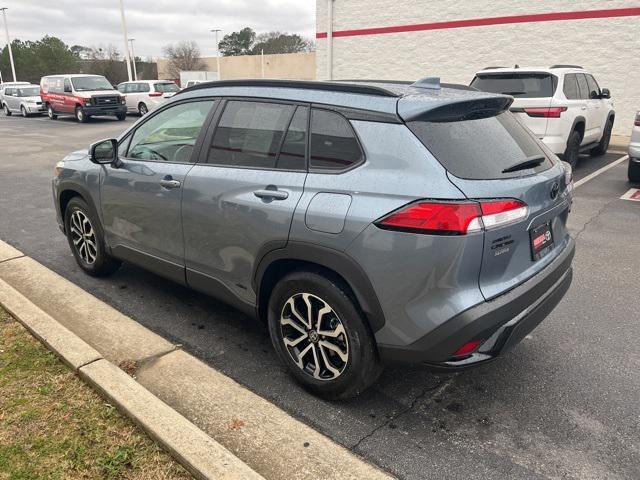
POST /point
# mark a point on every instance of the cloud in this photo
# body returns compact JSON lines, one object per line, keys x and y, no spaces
{"x":154,"y":23}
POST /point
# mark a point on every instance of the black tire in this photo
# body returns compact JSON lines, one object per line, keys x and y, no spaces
{"x":81,"y":117}
{"x":7,"y":112}
{"x":142,"y":109}
{"x":633,"y":172}
{"x":103,"y":264}
{"x":572,"y":153}
{"x":23,"y":111}
{"x":51,"y":113}
{"x":603,"y":146}
{"x":121,"y":116}
{"x":362,"y":366}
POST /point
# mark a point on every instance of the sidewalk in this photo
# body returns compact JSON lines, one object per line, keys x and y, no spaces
{"x":212,"y":425}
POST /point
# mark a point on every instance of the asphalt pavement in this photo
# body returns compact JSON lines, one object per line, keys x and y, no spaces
{"x":563,"y":404}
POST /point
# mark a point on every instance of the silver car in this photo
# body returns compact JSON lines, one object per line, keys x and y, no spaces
{"x":363,"y":222}
{"x":24,"y":99}
{"x":634,"y":151}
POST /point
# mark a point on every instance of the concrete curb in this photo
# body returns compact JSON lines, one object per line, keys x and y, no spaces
{"x":190,"y":446}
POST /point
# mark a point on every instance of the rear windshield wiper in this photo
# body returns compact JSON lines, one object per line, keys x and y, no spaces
{"x":528,"y":162}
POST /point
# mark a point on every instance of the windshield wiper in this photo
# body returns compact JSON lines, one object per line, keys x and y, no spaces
{"x":528,"y":162}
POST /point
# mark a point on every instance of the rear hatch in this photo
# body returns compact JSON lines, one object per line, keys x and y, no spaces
{"x":167,"y":89}
{"x":493,"y":159}
{"x":532,"y":93}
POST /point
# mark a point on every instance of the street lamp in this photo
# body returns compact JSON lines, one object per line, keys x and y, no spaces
{"x":126,"y":43}
{"x":133,"y":60}
{"x":6,"y":29}
{"x":215,"y":32}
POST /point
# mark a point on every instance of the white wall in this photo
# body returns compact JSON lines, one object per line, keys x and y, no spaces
{"x":608,"y":47}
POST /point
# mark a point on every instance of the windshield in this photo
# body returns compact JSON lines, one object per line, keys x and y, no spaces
{"x":29,"y":92}
{"x":522,"y":85}
{"x":166,"y":87}
{"x":87,"y":84}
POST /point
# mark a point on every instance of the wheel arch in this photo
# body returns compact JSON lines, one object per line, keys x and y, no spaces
{"x":67,"y":193}
{"x":275,"y":264}
{"x":579,"y":124}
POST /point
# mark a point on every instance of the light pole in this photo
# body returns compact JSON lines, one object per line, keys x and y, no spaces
{"x":6,"y":29}
{"x":215,"y":32}
{"x":133,"y":60}
{"x":126,"y":43}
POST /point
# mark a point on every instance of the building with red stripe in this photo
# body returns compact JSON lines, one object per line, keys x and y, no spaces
{"x":410,"y":39}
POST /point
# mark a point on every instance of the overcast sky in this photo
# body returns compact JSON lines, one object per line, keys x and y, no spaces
{"x":153,"y":23}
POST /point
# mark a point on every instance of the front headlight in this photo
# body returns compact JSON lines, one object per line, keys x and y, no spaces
{"x":59,"y":168}
{"x":122,"y":100}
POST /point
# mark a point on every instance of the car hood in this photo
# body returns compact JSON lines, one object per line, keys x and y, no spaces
{"x":77,"y":155}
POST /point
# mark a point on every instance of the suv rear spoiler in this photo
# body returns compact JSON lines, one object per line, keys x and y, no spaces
{"x":452,"y":109}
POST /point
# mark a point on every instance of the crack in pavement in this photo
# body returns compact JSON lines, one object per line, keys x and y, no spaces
{"x":593,"y":217}
{"x":437,"y":390}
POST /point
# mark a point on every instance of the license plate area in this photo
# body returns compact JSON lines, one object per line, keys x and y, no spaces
{"x":541,"y":238}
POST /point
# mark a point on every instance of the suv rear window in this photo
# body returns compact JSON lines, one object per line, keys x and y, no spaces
{"x":166,"y":87}
{"x":520,"y":85}
{"x":480,"y":149}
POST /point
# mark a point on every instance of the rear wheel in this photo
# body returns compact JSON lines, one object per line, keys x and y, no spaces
{"x":633,"y":172}
{"x":572,"y":153}
{"x":81,"y":117}
{"x":7,"y":112}
{"x":321,"y":336}
{"x":142,"y":109}
{"x":24,"y":111}
{"x":603,"y":146}
{"x":50,"y":113}
{"x":86,"y":239}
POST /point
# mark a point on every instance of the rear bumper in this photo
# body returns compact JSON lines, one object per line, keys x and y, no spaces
{"x":92,"y":110}
{"x":502,"y":322}
{"x":556,"y":143}
{"x":634,"y":151}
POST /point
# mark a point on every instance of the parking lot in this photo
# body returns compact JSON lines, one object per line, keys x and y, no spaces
{"x":562,"y":404}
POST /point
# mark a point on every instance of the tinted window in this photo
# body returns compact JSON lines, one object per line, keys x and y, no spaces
{"x":582,"y":84}
{"x":122,"y":87}
{"x":8,"y":91}
{"x":166,"y":87}
{"x":334,"y":145}
{"x":143,"y":87}
{"x":294,"y":148}
{"x":67,"y":85}
{"x":571,"y":87}
{"x":522,"y":85}
{"x":594,"y":89}
{"x":249,"y":134}
{"x":482,"y":148}
{"x":170,"y":135}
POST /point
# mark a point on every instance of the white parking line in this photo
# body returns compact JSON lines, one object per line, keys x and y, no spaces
{"x":593,"y":175}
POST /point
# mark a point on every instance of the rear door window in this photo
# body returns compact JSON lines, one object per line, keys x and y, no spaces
{"x":166,"y":87}
{"x":594,"y":89}
{"x":570,"y":87}
{"x":519,"y":85}
{"x":334,"y":145}
{"x":481,"y":149}
{"x":583,"y":85}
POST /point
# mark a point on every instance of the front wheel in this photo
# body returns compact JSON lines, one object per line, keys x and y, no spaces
{"x":603,"y":146}
{"x":81,"y":117}
{"x":50,"y":113}
{"x":7,"y":112}
{"x":24,"y":111}
{"x":572,"y":153}
{"x":633,"y":172}
{"x":121,"y":116}
{"x":321,"y":335}
{"x":86,"y":239}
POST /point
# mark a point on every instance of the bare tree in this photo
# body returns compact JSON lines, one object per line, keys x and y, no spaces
{"x":182,"y":56}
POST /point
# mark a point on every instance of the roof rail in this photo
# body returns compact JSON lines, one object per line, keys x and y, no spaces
{"x":301,"y":84}
{"x":491,"y":68}
{"x":428,"y":82}
{"x":566,"y":66}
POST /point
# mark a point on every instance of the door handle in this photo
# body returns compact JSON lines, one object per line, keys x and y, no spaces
{"x":583,"y":108}
{"x":169,"y":183}
{"x":272,"y":194}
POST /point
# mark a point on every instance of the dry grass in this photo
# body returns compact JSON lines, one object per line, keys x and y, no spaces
{"x":53,"y":426}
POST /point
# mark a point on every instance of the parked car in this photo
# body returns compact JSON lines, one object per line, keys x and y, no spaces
{"x":634,"y":152}
{"x":24,"y":99}
{"x":10,"y":84}
{"x":563,"y":105}
{"x":83,"y":96}
{"x":365,"y":223}
{"x":143,"y":96}
{"x":191,"y":83}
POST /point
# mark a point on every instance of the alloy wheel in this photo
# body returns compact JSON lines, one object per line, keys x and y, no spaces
{"x":143,"y":109}
{"x":314,"y":336}
{"x":83,"y":237}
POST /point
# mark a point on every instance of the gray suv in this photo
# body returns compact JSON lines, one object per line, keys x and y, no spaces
{"x":364,"y":222}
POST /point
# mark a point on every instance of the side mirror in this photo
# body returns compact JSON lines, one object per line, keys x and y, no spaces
{"x":104,"y":152}
{"x":605,"y":93}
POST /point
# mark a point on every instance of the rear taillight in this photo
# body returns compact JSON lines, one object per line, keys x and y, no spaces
{"x":155,"y":94}
{"x":454,"y":218}
{"x":568,"y":175}
{"x":545,"y":112}
{"x":637,"y":122}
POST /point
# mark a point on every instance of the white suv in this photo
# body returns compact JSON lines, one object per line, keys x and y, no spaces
{"x":562,"y":105}
{"x":145,"y":95}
